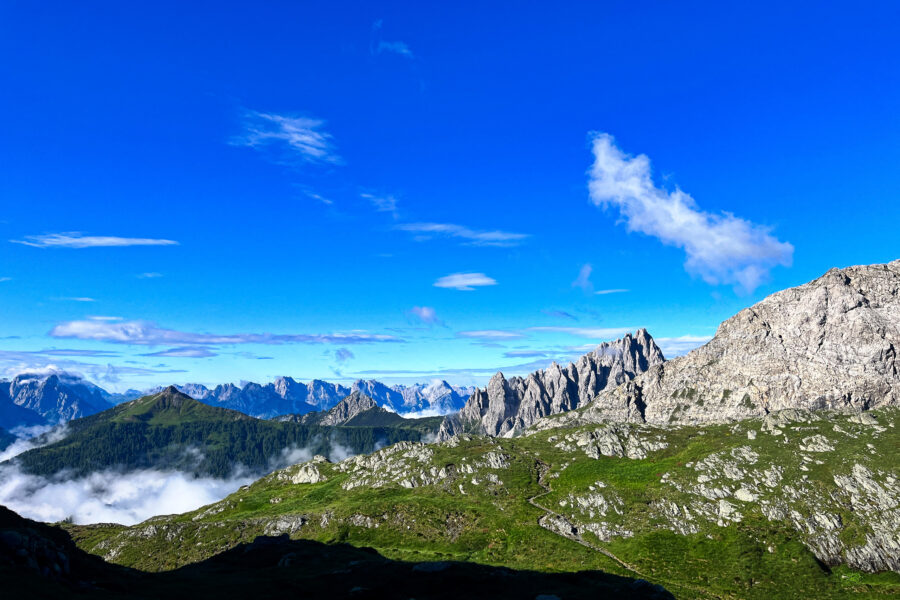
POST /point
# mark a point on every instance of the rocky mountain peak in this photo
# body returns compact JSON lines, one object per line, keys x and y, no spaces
{"x":506,"y":407}
{"x":348,"y":408}
{"x":831,"y":343}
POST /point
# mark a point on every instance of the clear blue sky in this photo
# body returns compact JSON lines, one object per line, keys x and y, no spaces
{"x":245,"y":190}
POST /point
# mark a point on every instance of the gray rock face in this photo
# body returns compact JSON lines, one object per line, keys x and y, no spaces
{"x":829,"y":344}
{"x":506,"y":407}
{"x":283,"y":396}
{"x":348,"y":408}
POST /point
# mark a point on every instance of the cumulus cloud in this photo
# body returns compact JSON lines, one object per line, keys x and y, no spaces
{"x":296,"y":137}
{"x":720,"y":248}
{"x":148,"y":333}
{"x":464,"y":281}
{"x":425,"y":314}
{"x":473,"y":237}
{"x":77,"y":240}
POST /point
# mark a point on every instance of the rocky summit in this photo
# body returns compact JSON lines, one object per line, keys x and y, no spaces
{"x":829,"y":344}
{"x":507,"y":407}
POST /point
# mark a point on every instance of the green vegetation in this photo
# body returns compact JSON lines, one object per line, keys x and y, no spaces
{"x":542,"y":503}
{"x":173,"y":431}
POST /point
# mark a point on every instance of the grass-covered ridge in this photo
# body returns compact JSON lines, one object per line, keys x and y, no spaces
{"x":170,"y":430}
{"x":750,"y":510}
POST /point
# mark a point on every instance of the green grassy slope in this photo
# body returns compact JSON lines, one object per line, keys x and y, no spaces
{"x":717,"y":512}
{"x":172,"y":431}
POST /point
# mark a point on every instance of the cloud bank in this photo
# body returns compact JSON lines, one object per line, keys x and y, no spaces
{"x":720,"y":248}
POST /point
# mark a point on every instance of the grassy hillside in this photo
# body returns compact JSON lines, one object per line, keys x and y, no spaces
{"x":172,"y":431}
{"x":750,"y":510}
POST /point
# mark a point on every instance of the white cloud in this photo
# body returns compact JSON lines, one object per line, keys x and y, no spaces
{"x":150,"y":275}
{"x":2,"y":279}
{"x":79,"y":299}
{"x":464,"y":281}
{"x":77,"y":240}
{"x":676,"y":346}
{"x":614,"y":291}
{"x":473,"y":237}
{"x":426,"y":314}
{"x":382,"y":203}
{"x":583,"y":281}
{"x":300,"y":137}
{"x":491,"y":334}
{"x":380,"y":46}
{"x":110,"y":497}
{"x":587,"y":332}
{"x":720,"y":248}
{"x":184,"y":352}
{"x":150,"y":334}
{"x":397,"y":47}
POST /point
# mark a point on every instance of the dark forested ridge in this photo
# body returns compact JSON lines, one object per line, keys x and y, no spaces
{"x":172,"y":431}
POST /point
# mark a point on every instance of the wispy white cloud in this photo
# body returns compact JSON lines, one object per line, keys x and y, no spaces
{"x":474,"y":237}
{"x":720,"y":248}
{"x":525,"y":354}
{"x":491,"y":334}
{"x":149,"y":275}
{"x":75,"y":239}
{"x":425,"y":314}
{"x":561,"y":314}
{"x":600,"y":333}
{"x":464,"y":281}
{"x":104,"y":318}
{"x":382,"y":203}
{"x":2,"y":279}
{"x":676,"y":346}
{"x":79,"y":299}
{"x":583,"y":281}
{"x":614,"y":291}
{"x":295,"y":136}
{"x":150,"y":334}
{"x":396,"y":47}
{"x":184,"y":352}
{"x":380,"y":46}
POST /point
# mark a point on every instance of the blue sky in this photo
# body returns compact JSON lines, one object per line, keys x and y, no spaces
{"x":228,"y":191}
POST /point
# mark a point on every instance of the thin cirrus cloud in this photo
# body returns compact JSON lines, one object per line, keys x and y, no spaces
{"x":720,"y":248}
{"x":149,"y":275}
{"x":380,"y":46}
{"x":583,"y":282}
{"x":184,"y":352}
{"x":77,"y":240}
{"x":676,"y":346}
{"x":294,"y":137}
{"x":464,"y":281}
{"x":474,"y":237}
{"x":586,"y":332}
{"x":491,"y":334}
{"x":150,"y":334}
{"x":382,"y":203}
{"x":613,"y":291}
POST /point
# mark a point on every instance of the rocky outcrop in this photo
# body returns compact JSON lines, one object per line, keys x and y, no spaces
{"x":348,"y":408}
{"x":506,"y":407}
{"x":829,"y":344}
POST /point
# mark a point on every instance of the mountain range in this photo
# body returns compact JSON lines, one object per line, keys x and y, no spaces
{"x":49,"y":399}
